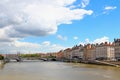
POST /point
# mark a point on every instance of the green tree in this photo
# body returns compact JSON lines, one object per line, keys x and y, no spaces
{"x":30,"y":55}
{"x":1,"y":57}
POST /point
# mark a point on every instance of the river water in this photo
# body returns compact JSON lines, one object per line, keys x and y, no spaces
{"x":57,"y":71}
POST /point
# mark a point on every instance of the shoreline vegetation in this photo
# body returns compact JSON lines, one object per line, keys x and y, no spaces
{"x":2,"y":60}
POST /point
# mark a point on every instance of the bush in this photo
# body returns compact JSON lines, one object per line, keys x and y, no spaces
{"x":1,"y":57}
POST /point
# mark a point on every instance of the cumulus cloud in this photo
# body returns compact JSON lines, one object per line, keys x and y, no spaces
{"x":37,"y":17}
{"x":99,"y":40}
{"x":28,"y":47}
{"x":60,"y":37}
{"x":23,"y":18}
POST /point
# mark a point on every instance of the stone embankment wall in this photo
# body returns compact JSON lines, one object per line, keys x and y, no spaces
{"x":1,"y":62}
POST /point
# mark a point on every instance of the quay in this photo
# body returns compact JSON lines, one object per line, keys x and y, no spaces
{"x":108,"y":63}
{"x":1,"y":62}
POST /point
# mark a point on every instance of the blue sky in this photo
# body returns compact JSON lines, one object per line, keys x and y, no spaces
{"x":48,"y":26}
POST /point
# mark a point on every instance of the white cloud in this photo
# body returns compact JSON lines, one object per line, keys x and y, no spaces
{"x":55,"y":48}
{"x":110,"y":7}
{"x":37,"y":17}
{"x":47,"y":46}
{"x":64,"y":38}
{"x":85,"y":3}
{"x":107,"y":9}
{"x":28,"y":47}
{"x":75,"y":37}
{"x":46,"y":43}
{"x":99,"y":40}
{"x":87,"y":40}
{"x":26,"y":44}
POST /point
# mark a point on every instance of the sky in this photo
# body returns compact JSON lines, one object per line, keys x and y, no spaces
{"x":41,"y":26}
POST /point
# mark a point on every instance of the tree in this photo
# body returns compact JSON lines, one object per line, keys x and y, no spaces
{"x":1,"y":57}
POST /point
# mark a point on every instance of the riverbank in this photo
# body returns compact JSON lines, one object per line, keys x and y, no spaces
{"x":107,"y":63}
{"x":1,"y":62}
{"x":97,"y":62}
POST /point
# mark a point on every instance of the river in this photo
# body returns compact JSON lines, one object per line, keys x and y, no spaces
{"x":57,"y":71}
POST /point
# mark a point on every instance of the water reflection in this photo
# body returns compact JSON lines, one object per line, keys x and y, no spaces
{"x":57,"y":71}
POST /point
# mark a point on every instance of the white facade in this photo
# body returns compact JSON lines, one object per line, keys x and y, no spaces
{"x":105,"y":52}
{"x":77,"y":52}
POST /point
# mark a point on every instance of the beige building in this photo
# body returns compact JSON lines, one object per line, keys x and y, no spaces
{"x":89,"y":52}
{"x":105,"y":51}
{"x":76,"y":52}
{"x":66,"y":53}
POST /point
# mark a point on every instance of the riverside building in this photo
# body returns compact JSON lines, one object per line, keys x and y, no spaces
{"x":117,"y":49}
{"x":105,"y":51}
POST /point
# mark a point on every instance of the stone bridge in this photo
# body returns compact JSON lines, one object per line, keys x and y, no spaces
{"x":10,"y":57}
{"x":16,"y":57}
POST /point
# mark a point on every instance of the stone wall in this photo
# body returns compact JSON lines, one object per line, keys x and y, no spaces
{"x":1,"y":62}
